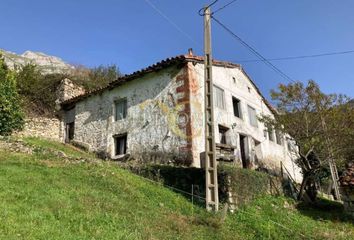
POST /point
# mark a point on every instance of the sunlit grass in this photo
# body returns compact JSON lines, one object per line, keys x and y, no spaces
{"x":44,"y":197}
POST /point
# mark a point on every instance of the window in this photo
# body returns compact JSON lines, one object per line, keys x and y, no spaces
{"x":120,"y":143}
{"x":120,"y":109}
{"x":237,"y":107}
{"x":279,"y":137}
{"x":291,"y":145}
{"x":270,"y":134}
{"x":252,"y":116}
{"x":222,"y":134}
{"x":219,"y":97}
{"x":265,"y":133}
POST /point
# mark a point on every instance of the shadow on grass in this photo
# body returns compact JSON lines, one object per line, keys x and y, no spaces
{"x":325,"y":210}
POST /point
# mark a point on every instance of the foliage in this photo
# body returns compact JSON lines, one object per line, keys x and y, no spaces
{"x":92,"y":78}
{"x":39,"y":90}
{"x":246,"y":184}
{"x":11,"y":115}
{"x":322,"y":126}
{"x":182,"y":179}
{"x":318,"y":121}
{"x":45,"y":197}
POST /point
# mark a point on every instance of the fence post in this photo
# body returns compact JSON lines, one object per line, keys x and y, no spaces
{"x":192,"y":199}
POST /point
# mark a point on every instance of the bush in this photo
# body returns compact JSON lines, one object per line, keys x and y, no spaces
{"x":11,"y":115}
{"x":39,"y":89}
{"x":246,"y":184}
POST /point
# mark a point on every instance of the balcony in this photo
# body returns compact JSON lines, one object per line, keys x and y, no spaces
{"x":225,"y":152}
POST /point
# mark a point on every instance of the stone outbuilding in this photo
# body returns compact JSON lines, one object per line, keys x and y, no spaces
{"x":347,"y":189}
{"x":156,"y":114}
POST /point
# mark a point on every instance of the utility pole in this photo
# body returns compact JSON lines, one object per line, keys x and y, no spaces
{"x":211,"y":174}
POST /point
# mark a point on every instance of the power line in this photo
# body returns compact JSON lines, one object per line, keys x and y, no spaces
{"x":254,"y":51}
{"x":201,"y":11}
{"x":301,"y":57}
{"x":226,"y":5}
{"x":171,"y":22}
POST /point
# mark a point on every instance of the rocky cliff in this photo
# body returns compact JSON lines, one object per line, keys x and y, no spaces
{"x":47,"y":64}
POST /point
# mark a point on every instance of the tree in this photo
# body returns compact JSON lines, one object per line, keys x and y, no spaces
{"x":321,"y":124}
{"x":92,"y":78}
{"x":11,"y":115}
{"x":38,"y":90}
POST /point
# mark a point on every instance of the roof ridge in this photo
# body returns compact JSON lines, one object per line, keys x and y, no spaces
{"x":154,"y":67}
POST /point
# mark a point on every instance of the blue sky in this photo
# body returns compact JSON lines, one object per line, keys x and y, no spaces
{"x":133,"y":35}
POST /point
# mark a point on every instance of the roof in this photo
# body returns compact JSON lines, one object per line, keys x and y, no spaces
{"x":181,"y":59}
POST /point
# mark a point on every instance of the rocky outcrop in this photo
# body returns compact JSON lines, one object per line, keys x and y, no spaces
{"x":47,"y":64}
{"x":67,"y":89}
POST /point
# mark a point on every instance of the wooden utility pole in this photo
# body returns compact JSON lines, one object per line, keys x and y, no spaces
{"x":211,"y":174}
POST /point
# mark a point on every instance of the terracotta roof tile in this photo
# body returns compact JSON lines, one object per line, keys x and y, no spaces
{"x":158,"y":66}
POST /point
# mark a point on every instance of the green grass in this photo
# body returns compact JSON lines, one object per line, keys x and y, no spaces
{"x":68,"y":149}
{"x":44,"y":197}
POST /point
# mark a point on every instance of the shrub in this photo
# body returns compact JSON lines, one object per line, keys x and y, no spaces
{"x":11,"y":115}
{"x":38,"y":89}
{"x":246,"y":185}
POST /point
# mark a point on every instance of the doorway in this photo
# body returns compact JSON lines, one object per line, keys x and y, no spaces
{"x":70,"y":127}
{"x":244,"y":151}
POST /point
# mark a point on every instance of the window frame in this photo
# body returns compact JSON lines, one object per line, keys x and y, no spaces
{"x":249,"y":116}
{"x":215,"y":99}
{"x":125,"y":113}
{"x":279,"y":138}
{"x":222,"y":130}
{"x":239,"y":108}
{"x":271,"y":135}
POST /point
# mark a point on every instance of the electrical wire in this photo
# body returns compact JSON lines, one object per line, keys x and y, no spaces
{"x":253,"y":50}
{"x":300,"y":57}
{"x":201,"y":11}
{"x":171,"y":22}
{"x":226,"y":5}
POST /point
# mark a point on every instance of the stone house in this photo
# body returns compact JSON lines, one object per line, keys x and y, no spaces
{"x":156,"y":114}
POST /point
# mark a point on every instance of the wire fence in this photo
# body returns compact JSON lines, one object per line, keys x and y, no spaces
{"x":202,"y":199}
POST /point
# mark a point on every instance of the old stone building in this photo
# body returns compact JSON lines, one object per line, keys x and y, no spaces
{"x":156,"y":114}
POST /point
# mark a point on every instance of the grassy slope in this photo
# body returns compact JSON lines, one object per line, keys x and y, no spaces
{"x":43,"y":197}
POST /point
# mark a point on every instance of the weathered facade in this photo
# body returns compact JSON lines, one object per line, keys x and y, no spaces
{"x":156,"y":114}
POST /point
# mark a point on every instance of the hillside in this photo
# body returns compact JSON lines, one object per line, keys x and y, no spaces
{"x":59,"y":192}
{"x":46,"y":63}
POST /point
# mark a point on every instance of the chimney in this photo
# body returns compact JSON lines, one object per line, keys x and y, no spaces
{"x":190,"y":51}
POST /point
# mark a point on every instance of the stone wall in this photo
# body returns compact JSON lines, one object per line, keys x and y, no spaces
{"x":347,"y":195}
{"x":156,"y":105}
{"x":41,"y":127}
{"x":67,"y":89}
{"x":347,"y":188}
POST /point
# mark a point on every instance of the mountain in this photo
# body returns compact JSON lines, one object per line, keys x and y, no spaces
{"x":48,"y":64}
